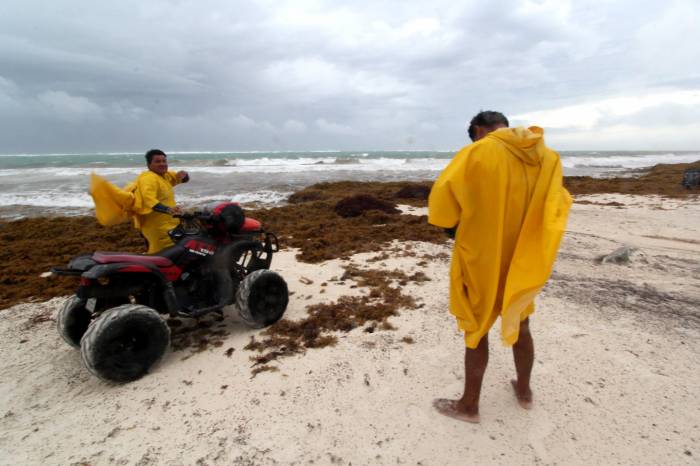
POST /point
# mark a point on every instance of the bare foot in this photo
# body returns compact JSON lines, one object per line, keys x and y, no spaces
{"x":450,"y":408}
{"x":524,"y":396}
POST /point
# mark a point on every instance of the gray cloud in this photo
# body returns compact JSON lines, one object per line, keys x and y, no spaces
{"x":82,"y":76}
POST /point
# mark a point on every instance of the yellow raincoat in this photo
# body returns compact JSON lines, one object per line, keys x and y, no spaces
{"x":505,"y":194}
{"x":114,"y":205}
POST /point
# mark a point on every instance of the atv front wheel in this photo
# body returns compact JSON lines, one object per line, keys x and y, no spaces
{"x":124,"y":342}
{"x":262,"y":298}
{"x":73,"y":320}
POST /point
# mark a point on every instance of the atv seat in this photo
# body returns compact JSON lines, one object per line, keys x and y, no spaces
{"x":112,"y":257}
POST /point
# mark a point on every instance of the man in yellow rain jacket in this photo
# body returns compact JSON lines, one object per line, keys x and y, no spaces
{"x":149,"y":200}
{"x":503,"y":198}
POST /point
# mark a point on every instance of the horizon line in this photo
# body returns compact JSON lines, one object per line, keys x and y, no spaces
{"x":257,"y":151}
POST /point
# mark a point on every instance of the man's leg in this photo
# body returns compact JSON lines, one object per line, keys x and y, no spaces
{"x":467,"y":407}
{"x":524,"y":357}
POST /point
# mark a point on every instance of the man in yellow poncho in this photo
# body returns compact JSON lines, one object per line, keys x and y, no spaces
{"x":149,"y":200}
{"x":503,"y":197}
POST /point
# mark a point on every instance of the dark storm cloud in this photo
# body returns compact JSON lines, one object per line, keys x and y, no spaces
{"x":82,"y":76}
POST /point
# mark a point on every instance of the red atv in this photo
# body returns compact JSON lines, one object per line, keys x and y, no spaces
{"x":220,"y":258}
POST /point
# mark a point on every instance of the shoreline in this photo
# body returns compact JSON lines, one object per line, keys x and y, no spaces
{"x":658,"y":179}
{"x":35,"y":244}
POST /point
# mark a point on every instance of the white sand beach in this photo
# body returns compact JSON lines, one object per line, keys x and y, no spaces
{"x":616,"y":377}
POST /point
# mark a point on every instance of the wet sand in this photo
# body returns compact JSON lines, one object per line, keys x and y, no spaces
{"x":367,"y":343}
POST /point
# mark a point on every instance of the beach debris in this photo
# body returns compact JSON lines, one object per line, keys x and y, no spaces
{"x":419,"y":277}
{"x":662,"y":179}
{"x":607,"y":204}
{"x":205,"y":334}
{"x":272,"y":355}
{"x":46,"y":274}
{"x":307,"y":195}
{"x":38,"y":319}
{"x":414,"y":191}
{"x":371,"y":311}
{"x":618,"y":256}
{"x":307,"y":223}
{"x":305,"y":281}
{"x":386,"y":325}
{"x":691,"y":178}
{"x":312,"y":227}
{"x":260,"y":369}
{"x":380,"y":257}
{"x":354,"y":206}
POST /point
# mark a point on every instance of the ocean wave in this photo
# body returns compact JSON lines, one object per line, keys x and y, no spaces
{"x":68,"y":172}
{"x":617,"y":167}
{"x":57,"y":199}
{"x":235,"y":167}
{"x":314,"y":165}
{"x":262,"y":197}
{"x":223,"y":162}
{"x":54,"y":199}
{"x":345,"y":160}
{"x":625,"y":161}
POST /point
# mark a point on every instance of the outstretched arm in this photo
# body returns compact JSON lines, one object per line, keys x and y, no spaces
{"x":183,"y":176}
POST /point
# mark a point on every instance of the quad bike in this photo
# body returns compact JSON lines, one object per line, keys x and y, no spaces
{"x":220,"y":259}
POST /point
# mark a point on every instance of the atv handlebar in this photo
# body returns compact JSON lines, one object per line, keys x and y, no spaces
{"x":194,"y":215}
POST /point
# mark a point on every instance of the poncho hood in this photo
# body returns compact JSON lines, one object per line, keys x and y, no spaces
{"x":527,"y":144}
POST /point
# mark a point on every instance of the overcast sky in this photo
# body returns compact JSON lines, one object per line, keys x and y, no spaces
{"x":82,"y":75}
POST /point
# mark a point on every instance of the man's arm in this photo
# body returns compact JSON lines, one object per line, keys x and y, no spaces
{"x":175,"y":178}
{"x":147,"y":187}
{"x":163,"y":209}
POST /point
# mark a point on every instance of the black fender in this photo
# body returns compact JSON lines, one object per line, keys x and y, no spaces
{"x":128,"y":268}
{"x":262,"y":249}
{"x":77,"y":266}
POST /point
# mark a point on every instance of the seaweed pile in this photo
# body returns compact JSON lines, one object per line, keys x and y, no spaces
{"x":32,"y":246}
{"x":662,"y":180}
{"x":382,"y":301}
{"x":309,"y":222}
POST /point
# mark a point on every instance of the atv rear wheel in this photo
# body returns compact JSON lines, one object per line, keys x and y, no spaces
{"x":73,"y":320}
{"x":262,"y":298}
{"x":124,"y":342}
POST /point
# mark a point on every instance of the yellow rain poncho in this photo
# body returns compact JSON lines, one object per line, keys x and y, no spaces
{"x":505,"y":194}
{"x":114,"y":205}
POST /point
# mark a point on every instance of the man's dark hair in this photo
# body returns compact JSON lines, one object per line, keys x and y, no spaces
{"x":152,"y":153}
{"x":487,"y":119}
